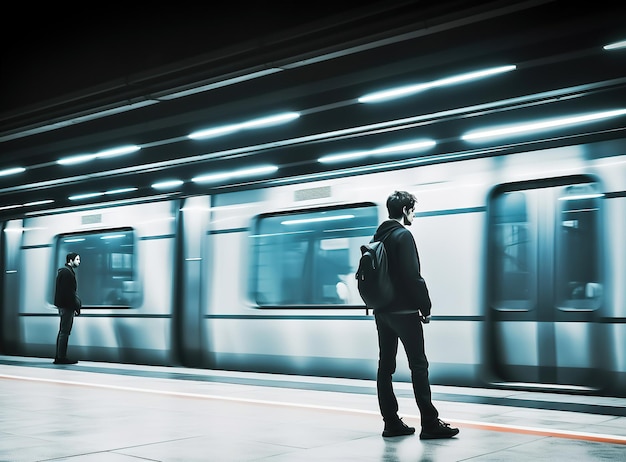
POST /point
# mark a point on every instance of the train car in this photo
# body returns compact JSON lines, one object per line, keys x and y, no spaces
{"x":125,"y":282}
{"x":506,"y":120}
{"x":523,"y":254}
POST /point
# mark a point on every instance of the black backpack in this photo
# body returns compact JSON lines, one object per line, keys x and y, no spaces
{"x":372,"y":275}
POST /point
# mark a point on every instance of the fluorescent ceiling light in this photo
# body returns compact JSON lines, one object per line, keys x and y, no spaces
{"x":417,"y":145}
{"x":213,"y":132}
{"x":120,"y":191}
{"x":254,"y":123}
{"x":313,"y":220}
{"x":167,"y":184}
{"x":120,"y":151}
{"x":97,"y":194}
{"x":99,"y":155}
{"x":540,"y":125}
{"x":42,"y":202}
{"x":84,"y":196}
{"x":235,"y":174}
{"x":7,"y":207}
{"x":76,"y":159}
{"x":271,"y":120}
{"x":12,"y":171}
{"x":407,"y":90}
{"x":74,"y":239}
{"x":615,"y":46}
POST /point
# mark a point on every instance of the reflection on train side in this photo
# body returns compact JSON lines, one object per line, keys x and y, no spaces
{"x":309,"y":257}
{"x":578,"y":247}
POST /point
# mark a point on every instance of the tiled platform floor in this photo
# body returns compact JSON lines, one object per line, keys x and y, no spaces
{"x":124,"y":413}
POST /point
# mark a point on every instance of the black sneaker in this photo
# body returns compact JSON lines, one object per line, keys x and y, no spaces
{"x":398,"y":428}
{"x":440,"y":430}
{"x":64,"y":361}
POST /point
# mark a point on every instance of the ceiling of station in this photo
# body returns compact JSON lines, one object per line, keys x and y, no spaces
{"x":150,"y":80}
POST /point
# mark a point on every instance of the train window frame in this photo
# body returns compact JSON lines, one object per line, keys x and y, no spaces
{"x":497,"y":301}
{"x":559,"y":303}
{"x":309,"y":248}
{"x":587,"y":296}
{"x":119,"y":287}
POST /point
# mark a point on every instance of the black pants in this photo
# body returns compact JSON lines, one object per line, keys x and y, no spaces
{"x":65,"y":328}
{"x":409,"y":330}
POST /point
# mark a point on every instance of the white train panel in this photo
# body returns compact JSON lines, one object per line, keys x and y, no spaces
{"x":35,"y":268}
{"x":449,"y":265}
{"x":231,"y":281}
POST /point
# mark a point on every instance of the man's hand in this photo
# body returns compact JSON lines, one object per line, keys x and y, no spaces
{"x":425,"y":319}
{"x":77,"y":311}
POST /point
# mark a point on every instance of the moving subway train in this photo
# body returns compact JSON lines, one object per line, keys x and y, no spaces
{"x":524,"y":255}
{"x":506,"y":120}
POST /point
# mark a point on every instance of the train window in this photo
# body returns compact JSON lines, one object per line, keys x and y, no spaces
{"x":308,"y":258}
{"x":514,"y":285}
{"x":577,"y":247}
{"x":106,"y":276}
{"x":545,"y":247}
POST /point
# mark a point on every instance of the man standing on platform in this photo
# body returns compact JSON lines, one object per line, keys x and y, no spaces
{"x":402,"y":320}
{"x":67,"y":301}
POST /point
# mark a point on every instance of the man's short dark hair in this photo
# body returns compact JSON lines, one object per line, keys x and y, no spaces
{"x":397,"y":201}
{"x":70,"y":257}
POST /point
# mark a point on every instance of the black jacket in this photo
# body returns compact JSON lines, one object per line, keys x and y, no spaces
{"x":65,"y":291}
{"x":410,"y":290}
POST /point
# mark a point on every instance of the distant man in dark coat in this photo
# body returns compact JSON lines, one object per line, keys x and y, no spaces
{"x":402,"y":320}
{"x":67,"y":301}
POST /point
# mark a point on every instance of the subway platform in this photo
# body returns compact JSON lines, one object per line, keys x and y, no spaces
{"x":104,"y":412}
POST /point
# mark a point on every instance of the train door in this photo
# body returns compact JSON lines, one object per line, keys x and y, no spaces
{"x":545,"y":285}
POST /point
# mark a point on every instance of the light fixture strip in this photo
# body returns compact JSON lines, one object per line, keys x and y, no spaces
{"x":275,"y":119}
{"x":167,"y":184}
{"x":266,"y":169}
{"x":540,"y":125}
{"x":41,"y":202}
{"x":107,"y":153}
{"x":615,"y":46}
{"x":407,"y":90}
{"x":120,"y":191}
{"x":12,"y":171}
{"x":78,"y":197}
